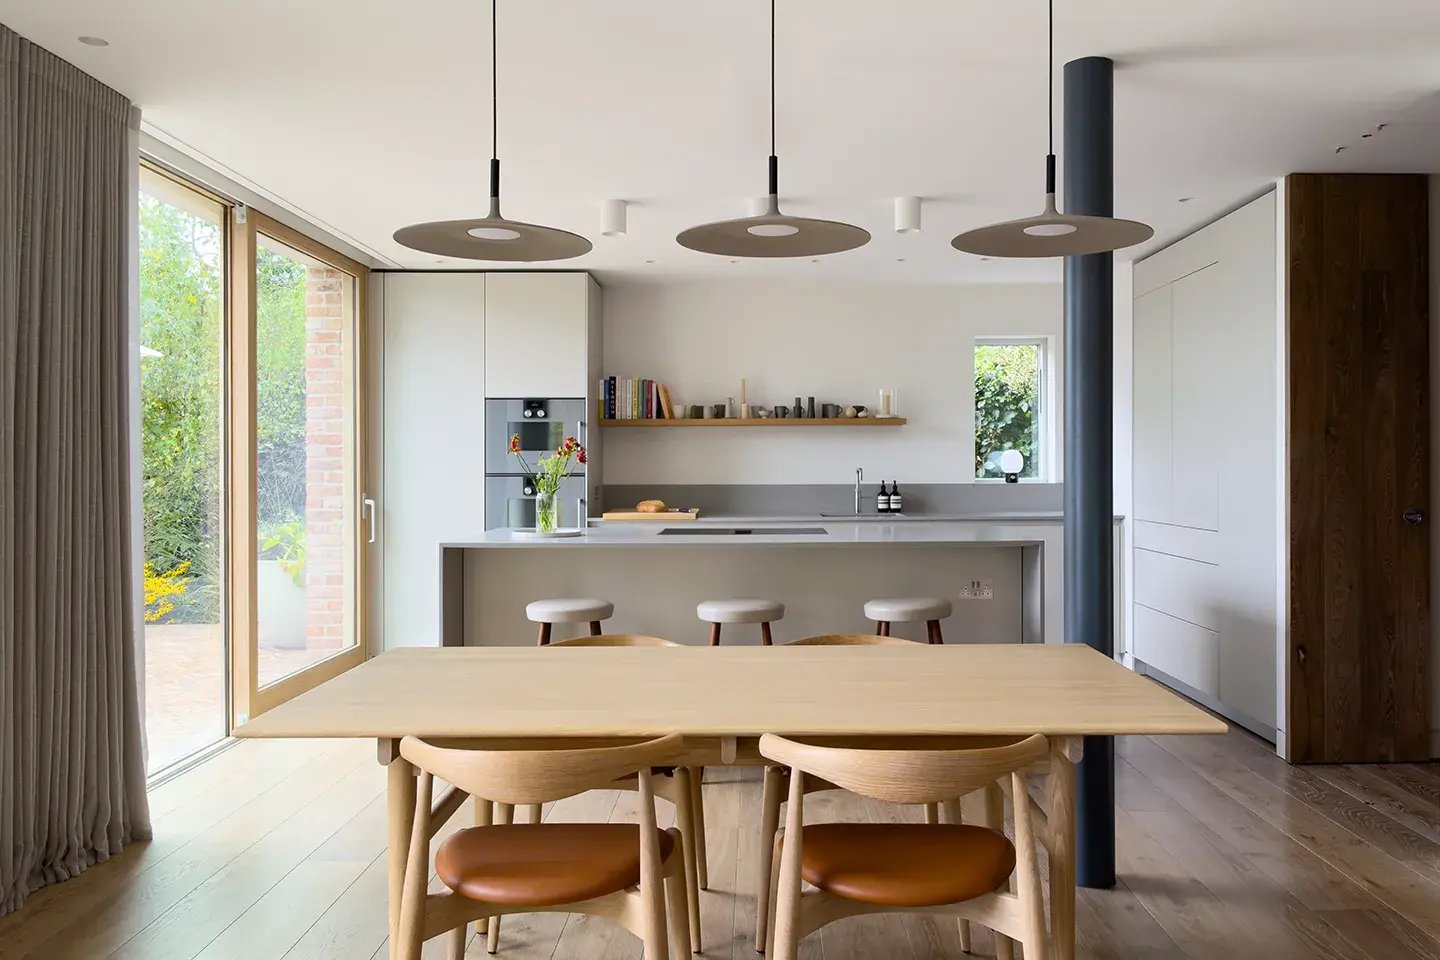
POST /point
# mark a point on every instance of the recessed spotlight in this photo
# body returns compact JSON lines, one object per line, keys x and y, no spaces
{"x":1366,"y":136}
{"x":94,"y":41}
{"x":814,"y":261}
{"x":899,"y":259}
{"x":1338,"y":149}
{"x":1185,"y":199}
{"x":734,"y":261}
{"x":649,"y":261}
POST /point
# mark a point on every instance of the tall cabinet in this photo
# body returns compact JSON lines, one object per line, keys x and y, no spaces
{"x":448,"y":342}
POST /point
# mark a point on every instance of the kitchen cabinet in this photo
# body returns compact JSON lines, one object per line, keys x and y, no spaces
{"x":541,"y":331}
{"x":1153,"y":464}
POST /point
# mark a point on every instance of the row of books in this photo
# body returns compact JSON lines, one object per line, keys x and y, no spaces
{"x":634,"y":398}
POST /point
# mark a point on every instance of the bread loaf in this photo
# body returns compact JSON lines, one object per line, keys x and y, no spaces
{"x":650,"y":506}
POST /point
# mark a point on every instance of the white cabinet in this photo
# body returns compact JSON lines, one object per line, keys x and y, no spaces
{"x":1198,"y":399}
{"x":433,"y":445}
{"x":1152,"y":389}
{"x":537,"y":335}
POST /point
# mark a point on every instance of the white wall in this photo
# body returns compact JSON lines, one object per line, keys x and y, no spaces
{"x":837,"y":342}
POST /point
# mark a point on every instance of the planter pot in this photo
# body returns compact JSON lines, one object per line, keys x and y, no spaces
{"x":282,"y":613}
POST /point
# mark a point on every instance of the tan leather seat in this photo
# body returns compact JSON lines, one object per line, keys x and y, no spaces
{"x":905,"y":864}
{"x":541,"y":865}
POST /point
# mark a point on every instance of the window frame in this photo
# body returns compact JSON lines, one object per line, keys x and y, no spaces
{"x":1048,"y":422}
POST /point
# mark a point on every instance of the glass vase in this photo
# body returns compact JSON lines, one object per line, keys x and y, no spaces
{"x":547,"y":511}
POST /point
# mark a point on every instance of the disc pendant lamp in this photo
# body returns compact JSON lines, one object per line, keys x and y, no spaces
{"x":493,"y":237}
{"x":772,"y":233}
{"x":1052,"y":233}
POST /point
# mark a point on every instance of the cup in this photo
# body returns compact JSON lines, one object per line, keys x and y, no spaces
{"x":829,"y":411}
{"x":781,"y":412}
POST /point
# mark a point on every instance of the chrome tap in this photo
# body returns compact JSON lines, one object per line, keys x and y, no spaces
{"x":859,"y":475}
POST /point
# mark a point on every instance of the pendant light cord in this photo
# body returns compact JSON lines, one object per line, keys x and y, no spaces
{"x":494,"y":104}
{"x":774,"y":163}
{"x":1050,"y":105}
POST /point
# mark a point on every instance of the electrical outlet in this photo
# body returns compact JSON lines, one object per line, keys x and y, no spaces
{"x":977,"y":590}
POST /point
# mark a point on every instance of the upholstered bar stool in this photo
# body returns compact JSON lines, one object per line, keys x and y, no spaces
{"x":927,"y":610}
{"x":568,"y":610}
{"x":718,"y":612}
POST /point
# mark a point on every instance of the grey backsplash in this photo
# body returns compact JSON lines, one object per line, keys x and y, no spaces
{"x":810,"y":499}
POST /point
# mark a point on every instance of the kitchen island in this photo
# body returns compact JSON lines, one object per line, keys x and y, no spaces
{"x":822,"y":568}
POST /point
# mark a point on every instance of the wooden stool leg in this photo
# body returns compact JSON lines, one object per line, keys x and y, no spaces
{"x":595,"y":628}
{"x":932,"y":628}
{"x":765,"y":634}
{"x":714,"y":634}
{"x":544,"y":640}
{"x":882,"y":628}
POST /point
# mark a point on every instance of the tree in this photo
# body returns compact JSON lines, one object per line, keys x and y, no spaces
{"x":1007,"y":405}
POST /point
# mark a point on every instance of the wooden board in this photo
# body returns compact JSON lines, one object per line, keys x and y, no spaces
{"x":667,"y":515}
{"x":735,"y":691}
{"x":1359,"y":454}
{"x":756,"y":422}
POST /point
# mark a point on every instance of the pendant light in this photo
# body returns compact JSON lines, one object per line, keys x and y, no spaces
{"x":493,"y":237}
{"x":1052,"y":234}
{"x":772,"y":233}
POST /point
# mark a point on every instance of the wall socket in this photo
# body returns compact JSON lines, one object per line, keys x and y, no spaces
{"x":977,"y":590}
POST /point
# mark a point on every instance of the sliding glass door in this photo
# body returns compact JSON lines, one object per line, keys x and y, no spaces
{"x":250,"y":461}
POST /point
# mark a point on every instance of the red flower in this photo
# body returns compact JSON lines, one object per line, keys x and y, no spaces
{"x":580,"y":456}
{"x":515,"y":443}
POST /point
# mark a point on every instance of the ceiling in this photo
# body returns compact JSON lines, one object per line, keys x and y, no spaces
{"x":366,"y":115}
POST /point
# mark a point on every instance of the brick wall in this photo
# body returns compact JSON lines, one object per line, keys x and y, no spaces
{"x":325,"y":384}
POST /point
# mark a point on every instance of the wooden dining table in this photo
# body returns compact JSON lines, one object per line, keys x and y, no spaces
{"x":723,"y":699}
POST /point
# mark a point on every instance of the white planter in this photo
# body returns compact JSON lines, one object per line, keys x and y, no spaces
{"x":282,"y":611}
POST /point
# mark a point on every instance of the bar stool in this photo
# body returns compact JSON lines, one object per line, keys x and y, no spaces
{"x":568,"y":610}
{"x":930,"y":610}
{"x":763,"y":612}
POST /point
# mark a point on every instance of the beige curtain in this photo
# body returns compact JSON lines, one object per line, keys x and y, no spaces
{"x":72,"y":775}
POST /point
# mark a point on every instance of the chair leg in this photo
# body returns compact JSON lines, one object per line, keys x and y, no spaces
{"x":544,"y":638}
{"x":950,"y":812}
{"x":504,"y":814}
{"x":772,"y":896}
{"x":697,"y":797}
{"x":595,"y":628}
{"x":534,"y":813}
{"x":765,"y":634}
{"x":685,"y":819}
{"x":769,"y":823}
{"x":995,"y":820}
{"x":714,"y":634}
{"x":932,"y":813}
{"x":882,"y":628}
{"x":455,"y":942}
{"x":677,"y":909}
{"x":932,"y":629}
{"x":484,"y":816}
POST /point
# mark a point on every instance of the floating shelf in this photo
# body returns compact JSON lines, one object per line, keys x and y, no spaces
{"x":771,"y":422}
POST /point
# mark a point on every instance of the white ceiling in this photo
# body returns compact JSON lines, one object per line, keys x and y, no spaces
{"x":367,"y":115}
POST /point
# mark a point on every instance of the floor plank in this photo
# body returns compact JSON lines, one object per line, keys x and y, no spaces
{"x":274,"y":851}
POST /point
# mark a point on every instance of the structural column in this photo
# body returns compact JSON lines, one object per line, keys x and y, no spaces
{"x":1089,"y":432}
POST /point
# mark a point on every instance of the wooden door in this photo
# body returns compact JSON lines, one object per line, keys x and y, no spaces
{"x":1359,"y":357}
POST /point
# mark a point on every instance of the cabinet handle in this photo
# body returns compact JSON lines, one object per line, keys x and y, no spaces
{"x":1413,"y":516}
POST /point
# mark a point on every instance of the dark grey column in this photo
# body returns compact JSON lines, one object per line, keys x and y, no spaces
{"x":1089,"y":425}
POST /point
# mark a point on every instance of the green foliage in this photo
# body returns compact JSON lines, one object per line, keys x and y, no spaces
{"x":1007,"y":406}
{"x":181,"y":294}
{"x":285,"y":543}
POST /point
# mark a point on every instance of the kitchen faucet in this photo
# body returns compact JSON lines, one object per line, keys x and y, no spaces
{"x":859,"y":475}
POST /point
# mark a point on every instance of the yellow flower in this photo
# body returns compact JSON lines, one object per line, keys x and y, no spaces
{"x":160,"y":587}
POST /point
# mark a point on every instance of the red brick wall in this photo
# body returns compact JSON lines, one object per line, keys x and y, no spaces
{"x":325,"y":384}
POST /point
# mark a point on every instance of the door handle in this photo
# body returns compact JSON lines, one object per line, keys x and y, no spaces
{"x":367,"y":510}
{"x":1413,"y":516}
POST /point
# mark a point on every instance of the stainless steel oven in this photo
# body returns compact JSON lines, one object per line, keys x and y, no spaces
{"x":510,"y":502}
{"x":541,"y":423}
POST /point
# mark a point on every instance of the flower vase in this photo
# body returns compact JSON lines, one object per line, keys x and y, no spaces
{"x":547,"y":512}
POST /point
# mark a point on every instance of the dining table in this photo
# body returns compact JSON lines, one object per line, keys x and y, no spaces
{"x":723,"y":699}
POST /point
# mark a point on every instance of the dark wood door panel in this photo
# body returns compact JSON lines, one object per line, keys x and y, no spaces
{"x":1358,"y":297}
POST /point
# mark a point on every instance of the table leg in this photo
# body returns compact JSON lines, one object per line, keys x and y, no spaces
{"x":1060,"y":794}
{"x":400,"y":799}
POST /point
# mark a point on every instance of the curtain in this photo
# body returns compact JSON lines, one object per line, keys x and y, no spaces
{"x":72,"y":775}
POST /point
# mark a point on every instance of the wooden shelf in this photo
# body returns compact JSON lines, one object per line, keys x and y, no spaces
{"x":771,"y":422}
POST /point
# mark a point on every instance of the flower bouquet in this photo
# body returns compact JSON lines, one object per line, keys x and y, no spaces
{"x":548,"y":473}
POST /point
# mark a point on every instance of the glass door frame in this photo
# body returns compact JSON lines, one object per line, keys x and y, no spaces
{"x":248,"y":697}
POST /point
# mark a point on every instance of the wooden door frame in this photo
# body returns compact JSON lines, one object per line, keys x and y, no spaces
{"x":248,"y":699}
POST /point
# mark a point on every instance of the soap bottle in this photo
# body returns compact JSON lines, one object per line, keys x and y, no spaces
{"x":897,"y":505}
{"x":882,"y":499}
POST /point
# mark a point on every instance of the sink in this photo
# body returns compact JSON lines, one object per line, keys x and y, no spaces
{"x":743,"y":531}
{"x":862,"y":516}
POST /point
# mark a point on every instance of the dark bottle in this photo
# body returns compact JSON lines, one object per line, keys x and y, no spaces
{"x":897,"y":505}
{"x":882,"y":499}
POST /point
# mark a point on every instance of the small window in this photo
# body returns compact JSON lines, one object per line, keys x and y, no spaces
{"x":1009,"y":400}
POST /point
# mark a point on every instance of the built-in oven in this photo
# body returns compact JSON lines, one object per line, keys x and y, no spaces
{"x":541,"y":423}
{"x":510,"y":502}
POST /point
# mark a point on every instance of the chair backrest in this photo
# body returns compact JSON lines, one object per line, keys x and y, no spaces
{"x":538,"y":775}
{"x":851,"y":640}
{"x":615,"y":640}
{"x":898,"y":775}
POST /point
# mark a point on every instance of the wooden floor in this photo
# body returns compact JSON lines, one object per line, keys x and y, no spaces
{"x":275,"y":850}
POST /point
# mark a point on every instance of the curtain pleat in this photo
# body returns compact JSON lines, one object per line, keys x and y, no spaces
{"x":72,"y":774}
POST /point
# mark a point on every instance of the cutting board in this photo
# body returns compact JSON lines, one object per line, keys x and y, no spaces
{"x":674,"y":513}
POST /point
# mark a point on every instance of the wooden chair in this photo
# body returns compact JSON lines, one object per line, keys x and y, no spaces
{"x":611,"y":870}
{"x":947,"y":869}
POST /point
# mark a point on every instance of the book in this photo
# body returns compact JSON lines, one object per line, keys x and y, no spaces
{"x":667,"y":412}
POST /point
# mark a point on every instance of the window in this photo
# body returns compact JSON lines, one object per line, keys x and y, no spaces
{"x":1010,"y":407}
